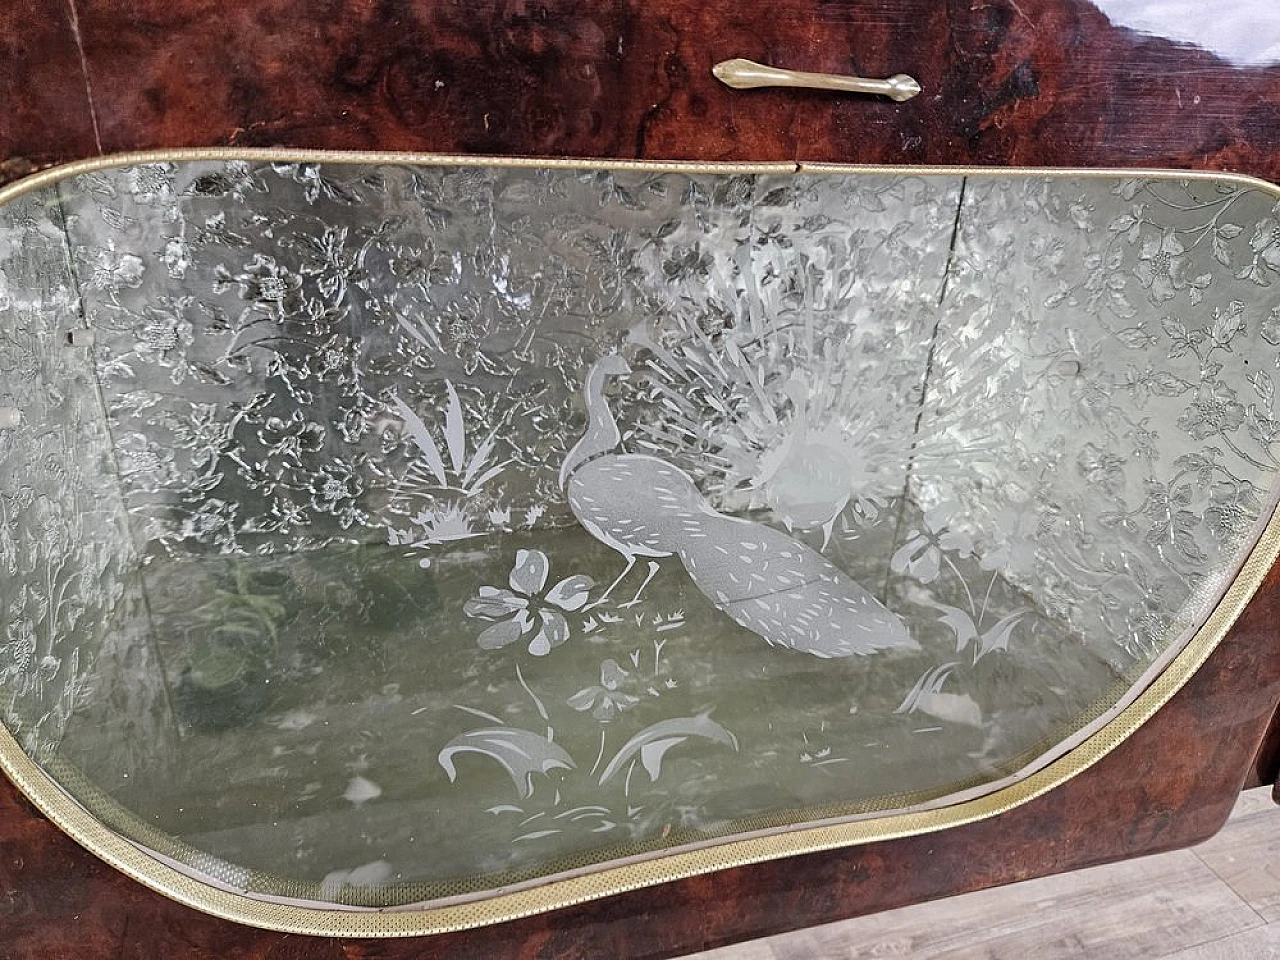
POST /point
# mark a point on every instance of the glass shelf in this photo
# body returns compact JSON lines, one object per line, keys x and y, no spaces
{"x":408,"y":534}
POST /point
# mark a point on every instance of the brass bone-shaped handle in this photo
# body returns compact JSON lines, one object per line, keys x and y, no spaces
{"x":747,"y":74}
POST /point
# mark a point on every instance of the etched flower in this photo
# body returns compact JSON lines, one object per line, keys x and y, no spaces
{"x":214,"y":521}
{"x":1264,"y":429}
{"x":315,"y":184}
{"x":1266,"y":240}
{"x":1233,"y":508}
{"x":604,"y":699}
{"x":286,"y":514}
{"x":335,"y":490}
{"x":1160,"y":266}
{"x":922,"y":554}
{"x":1214,"y":411}
{"x":690,"y":263}
{"x":327,"y":259}
{"x":293,"y":438}
{"x":336,"y":355}
{"x":48,"y":525}
{"x":12,"y":239}
{"x":235,"y":179}
{"x":528,"y":612}
{"x":19,"y":650}
{"x":176,"y":257}
{"x":1100,"y":467}
{"x":163,"y":338}
{"x":264,"y":282}
{"x":144,"y":460}
{"x":1271,"y":328}
{"x":1014,"y":547}
{"x":150,"y":184}
{"x":204,"y":432}
{"x":1143,"y":440}
{"x":111,"y":272}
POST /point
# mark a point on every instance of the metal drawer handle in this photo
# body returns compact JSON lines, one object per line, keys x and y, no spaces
{"x":747,"y":74}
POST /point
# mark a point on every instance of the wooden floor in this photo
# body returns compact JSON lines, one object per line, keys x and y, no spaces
{"x":1217,"y":901}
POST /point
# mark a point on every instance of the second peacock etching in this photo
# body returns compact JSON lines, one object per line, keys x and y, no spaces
{"x":648,"y":509}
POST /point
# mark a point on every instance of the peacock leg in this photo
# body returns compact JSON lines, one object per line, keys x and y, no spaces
{"x":653,"y":569}
{"x":631,"y":562}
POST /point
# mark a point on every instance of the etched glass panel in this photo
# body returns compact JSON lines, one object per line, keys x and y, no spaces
{"x":376,"y":534}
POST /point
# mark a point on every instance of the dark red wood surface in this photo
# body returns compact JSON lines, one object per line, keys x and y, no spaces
{"x":1037,"y":82}
{"x":1266,"y":765}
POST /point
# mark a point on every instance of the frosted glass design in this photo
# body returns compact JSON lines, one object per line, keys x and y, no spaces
{"x":377,"y":534}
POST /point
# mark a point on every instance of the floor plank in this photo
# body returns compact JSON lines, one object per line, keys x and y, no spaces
{"x":1251,"y":802}
{"x":752,"y":950}
{"x":1219,"y":901}
{"x":1246,"y":856}
{"x":1149,"y":907}
{"x":1260,"y":943}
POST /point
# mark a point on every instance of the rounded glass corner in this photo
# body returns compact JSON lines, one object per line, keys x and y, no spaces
{"x":395,"y":544}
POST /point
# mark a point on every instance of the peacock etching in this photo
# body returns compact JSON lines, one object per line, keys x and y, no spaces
{"x":776,"y":587}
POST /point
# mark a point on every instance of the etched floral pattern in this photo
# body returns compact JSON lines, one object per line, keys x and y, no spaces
{"x":1033,"y":418}
{"x":529,"y":612}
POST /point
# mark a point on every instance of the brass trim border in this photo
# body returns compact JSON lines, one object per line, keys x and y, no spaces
{"x":503,"y":905}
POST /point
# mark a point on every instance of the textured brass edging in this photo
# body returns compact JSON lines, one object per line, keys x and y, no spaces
{"x":164,"y":878}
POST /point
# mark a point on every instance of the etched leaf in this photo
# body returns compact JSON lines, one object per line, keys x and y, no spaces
{"x":958,"y":620}
{"x":455,"y":431}
{"x":1164,"y":384}
{"x":1227,"y":323}
{"x":552,"y":632}
{"x":927,"y":697}
{"x":997,"y":638}
{"x":422,"y":437}
{"x":521,"y":753}
{"x":1120,"y":304}
{"x":1122,"y":223}
{"x":1253,"y":273}
{"x":1264,"y":385}
{"x":1221,"y":252}
{"x":1137,"y":338}
{"x":653,"y":742}
{"x":1176,"y":331}
{"x":480,"y":459}
{"x":420,"y":332}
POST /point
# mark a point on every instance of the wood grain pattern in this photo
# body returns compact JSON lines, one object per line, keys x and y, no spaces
{"x":1033,"y":82}
{"x":46,"y":116}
